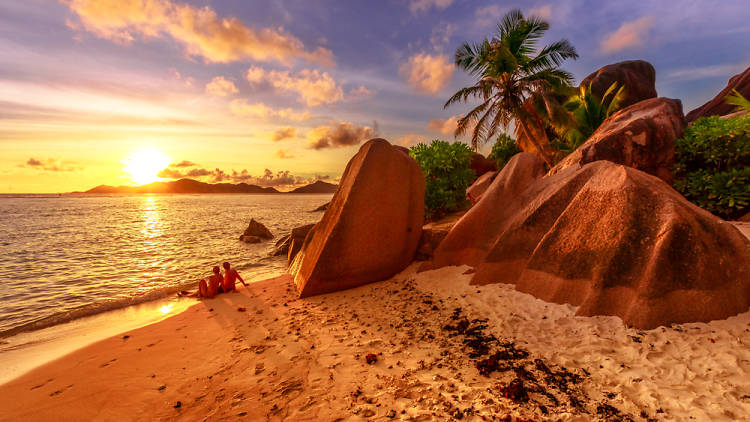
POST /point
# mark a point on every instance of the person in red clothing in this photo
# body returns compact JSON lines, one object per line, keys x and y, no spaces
{"x":230,"y":275}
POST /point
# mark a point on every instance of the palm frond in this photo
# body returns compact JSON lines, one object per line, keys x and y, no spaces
{"x":736,"y":99}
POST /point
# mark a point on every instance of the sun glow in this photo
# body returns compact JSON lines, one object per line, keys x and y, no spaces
{"x":142,"y":166}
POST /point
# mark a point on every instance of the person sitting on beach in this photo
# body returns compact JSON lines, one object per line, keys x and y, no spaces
{"x":213,"y":287}
{"x":230,"y":274}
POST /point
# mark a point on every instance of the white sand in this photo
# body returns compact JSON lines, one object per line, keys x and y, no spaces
{"x":689,"y":370}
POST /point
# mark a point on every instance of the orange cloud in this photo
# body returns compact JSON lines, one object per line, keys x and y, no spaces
{"x":313,"y":87}
{"x":628,"y":35}
{"x":51,"y":164}
{"x":241,"y":107}
{"x":221,"y":87}
{"x":446,"y":127}
{"x":200,"y":30}
{"x":427,"y":73}
{"x":283,"y":154}
{"x":338,"y":135}
{"x":410,"y":140}
{"x":284,"y":133}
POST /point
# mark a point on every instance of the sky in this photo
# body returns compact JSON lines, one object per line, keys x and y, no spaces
{"x":281,"y":93}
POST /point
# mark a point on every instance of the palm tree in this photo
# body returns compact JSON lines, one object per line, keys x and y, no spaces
{"x":736,"y":99}
{"x":509,"y":69}
{"x":586,"y":113}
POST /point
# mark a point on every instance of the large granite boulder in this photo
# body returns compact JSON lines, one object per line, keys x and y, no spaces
{"x":640,"y":136}
{"x":637,"y":76}
{"x":479,"y":187}
{"x":371,"y":229}
{"x":613,"y":240}
{"x":297,"y":234}
{"x":297,"y":239}
{"x":256,"y":229}
{"x":471,"y":237}
{"x":433,"y":233}
{"x":481,"y":165}
{"x":717,"y":106}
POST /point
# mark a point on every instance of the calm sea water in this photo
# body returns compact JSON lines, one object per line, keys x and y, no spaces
{"x":69,"y":256}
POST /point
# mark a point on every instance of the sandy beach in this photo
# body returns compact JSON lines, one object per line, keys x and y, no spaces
{"x":442,"y":349}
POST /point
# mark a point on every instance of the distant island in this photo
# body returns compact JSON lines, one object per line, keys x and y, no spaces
{"x":317,"y":187}
{"x":194,"y":186}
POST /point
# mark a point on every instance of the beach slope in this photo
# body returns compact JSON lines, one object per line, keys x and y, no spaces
{"x":438,"y":349}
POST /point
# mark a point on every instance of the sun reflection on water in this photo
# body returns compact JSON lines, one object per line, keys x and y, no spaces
{"x":152,"y":226}
{"x":166,"y":308}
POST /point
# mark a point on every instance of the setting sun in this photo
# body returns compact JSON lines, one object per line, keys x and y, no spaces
{"x":142,"y":167}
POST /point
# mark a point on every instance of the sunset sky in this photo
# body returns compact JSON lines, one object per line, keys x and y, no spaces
{"x":282,"y":92}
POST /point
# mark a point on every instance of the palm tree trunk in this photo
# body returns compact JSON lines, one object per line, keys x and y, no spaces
{"x":538,"y":119}
{"x":533,"y":140}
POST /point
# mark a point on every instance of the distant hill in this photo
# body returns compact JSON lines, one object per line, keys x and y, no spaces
{"x":184,"y":186}
{"x":317,"y":187}
{"x":194,"y":186}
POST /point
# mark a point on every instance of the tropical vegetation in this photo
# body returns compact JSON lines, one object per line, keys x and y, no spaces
{"x":447,"y":175}
{"x":712,"y":167}
{"x":585,"y":113}
{"x":504,"y":148}
{"x":736,"y":99}
{"x":510,"y":68}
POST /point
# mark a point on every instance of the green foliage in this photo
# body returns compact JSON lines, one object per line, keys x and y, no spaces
{"x":712,"y":165}
{"x":509,"y":68}
{"x":447,"y":175}
{"x":736,"y":99}
{"x":585,"y":113}
{"x":504,"y":148}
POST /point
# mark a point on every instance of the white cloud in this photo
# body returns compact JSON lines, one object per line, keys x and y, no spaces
{"x":441,"y":35}
{"x":702,"y":72}
{"x":429,"y":74}
{"x":419,"y":6}
{"x":487,"y":15}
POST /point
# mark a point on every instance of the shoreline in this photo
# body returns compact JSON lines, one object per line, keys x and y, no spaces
{"x":283,"y":358}
{"x":28,"y":350}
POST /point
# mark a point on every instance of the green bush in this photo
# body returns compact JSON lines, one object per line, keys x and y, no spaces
{"x":447,"y":175}
{"x":504,"y":148}
{"x":712,"y":165}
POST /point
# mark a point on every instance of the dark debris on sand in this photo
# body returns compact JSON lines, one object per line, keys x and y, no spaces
{"x":534,"y":383}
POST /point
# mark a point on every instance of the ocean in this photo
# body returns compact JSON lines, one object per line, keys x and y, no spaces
{"x":71,"y":256}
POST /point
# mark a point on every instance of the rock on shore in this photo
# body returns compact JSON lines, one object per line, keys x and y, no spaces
{"x":255,"y":231}
{"x":637,"y":76}
{"x":609,"y":239}
{"x":717,"y":106}
{"x":372,"y":226}
{"x":640,"y":136}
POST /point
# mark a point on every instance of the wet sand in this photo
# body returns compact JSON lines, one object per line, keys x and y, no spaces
{"x":439,"y":348}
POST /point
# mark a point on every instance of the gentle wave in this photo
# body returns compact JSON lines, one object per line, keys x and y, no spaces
{"x":73,"y":256}
{"x":93,"y":309}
